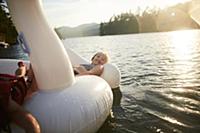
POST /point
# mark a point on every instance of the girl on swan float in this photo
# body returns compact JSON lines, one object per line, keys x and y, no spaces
{"x":96,"y":66}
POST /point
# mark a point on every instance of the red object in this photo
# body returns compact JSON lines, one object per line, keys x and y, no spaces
{"x":10,"y":86}
{"x":16,"y":86}
{"x":5,"y":89}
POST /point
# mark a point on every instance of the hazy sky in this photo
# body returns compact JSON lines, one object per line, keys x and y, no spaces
{"x":76,"y":12}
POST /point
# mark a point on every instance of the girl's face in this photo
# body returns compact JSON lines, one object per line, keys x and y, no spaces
{"x":99,"y":59}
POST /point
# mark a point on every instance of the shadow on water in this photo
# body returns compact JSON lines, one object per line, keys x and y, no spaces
{"x":117,"y":96}
{"x":110,"y":124}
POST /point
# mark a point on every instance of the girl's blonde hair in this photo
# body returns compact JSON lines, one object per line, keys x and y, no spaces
{"x":104,"y":53}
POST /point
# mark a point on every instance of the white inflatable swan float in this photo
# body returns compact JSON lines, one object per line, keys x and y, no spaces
{"x":64,"y":103}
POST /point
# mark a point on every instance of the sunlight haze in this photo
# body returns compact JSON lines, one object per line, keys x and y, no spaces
{"x":75,"y":12}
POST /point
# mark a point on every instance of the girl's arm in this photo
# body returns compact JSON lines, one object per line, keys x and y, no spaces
{"x":97,"y":70}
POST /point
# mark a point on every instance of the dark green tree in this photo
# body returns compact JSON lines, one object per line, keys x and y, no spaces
{"x":125,"y":23}
{"x":147,"y":20}
{"x":6,"y":26}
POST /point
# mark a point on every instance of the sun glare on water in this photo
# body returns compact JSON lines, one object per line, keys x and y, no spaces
{"x":183,"y":48}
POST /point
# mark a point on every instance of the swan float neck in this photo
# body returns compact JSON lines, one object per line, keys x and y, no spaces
{"x":50,"y":61}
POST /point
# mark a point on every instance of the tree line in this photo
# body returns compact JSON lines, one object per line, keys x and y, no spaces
{"x":126,"y":23}
{"x":150,"y":20}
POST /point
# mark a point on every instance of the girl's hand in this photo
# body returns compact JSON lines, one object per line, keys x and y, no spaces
{"x":80,"y":69}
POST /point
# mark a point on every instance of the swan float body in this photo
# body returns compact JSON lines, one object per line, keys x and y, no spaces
{"x":64,"y":103}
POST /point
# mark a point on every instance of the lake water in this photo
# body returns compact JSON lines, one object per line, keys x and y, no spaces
{"x":160,"y":79}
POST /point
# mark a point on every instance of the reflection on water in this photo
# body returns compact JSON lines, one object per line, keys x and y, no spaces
{"x":160,"y":80}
